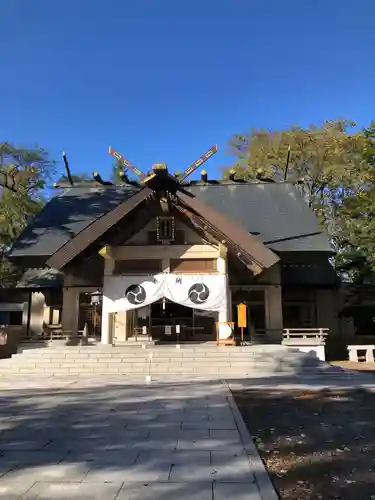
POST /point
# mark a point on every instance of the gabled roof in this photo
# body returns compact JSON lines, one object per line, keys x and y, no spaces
{"x":246,"y":247}
{"x":275,"y":213}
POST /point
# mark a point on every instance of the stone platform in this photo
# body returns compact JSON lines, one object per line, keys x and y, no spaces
{"x":113,"y":439}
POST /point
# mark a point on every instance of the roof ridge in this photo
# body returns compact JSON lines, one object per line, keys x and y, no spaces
{"x":229,"y":183}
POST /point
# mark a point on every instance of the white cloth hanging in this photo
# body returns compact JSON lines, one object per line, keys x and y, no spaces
{"x":204,"y":291}
{"x":123,"y":293}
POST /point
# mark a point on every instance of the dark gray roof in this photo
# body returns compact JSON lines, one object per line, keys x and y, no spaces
{"x":40,"y":278}
{"x":64,"y":216}
{"x":275,"y":212}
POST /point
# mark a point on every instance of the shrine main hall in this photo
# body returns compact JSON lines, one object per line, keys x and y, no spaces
{"x":164,"y":257}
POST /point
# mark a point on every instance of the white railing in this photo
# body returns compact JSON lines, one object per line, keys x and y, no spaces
{"x":305,"y":336}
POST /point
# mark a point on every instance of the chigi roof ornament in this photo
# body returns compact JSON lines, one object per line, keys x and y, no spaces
{"x":160,"y":179}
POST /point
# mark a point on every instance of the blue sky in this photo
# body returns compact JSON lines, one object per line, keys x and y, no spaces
{"x":163,"y":80}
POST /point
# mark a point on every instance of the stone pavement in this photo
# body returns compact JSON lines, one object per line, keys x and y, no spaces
{"x":125,"y":440}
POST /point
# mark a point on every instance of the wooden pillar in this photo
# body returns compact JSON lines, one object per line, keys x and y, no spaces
{"x":107,"y":325}
{"x":70,"y":309}
{"x":25,"y":314}
{"x":120,"y":326}
{"x":222,"y":267}
{"x":327,"y":310}
{"x":47,"y":315}
{"x":274,"y":313}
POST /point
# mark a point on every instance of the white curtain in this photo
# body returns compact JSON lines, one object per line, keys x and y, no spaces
{"x":205,"y":292}
{"x":123,"y":293}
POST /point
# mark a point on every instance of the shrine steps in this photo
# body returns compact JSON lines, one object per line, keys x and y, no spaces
{"x":160,"y":360}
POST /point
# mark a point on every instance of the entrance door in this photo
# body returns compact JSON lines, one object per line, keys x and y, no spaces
{"x":195,"y":325}
{"x":90,"y":314}
{"x":165,"y":316}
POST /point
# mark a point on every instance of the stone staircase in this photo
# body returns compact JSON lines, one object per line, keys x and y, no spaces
{"x":162,"y":360}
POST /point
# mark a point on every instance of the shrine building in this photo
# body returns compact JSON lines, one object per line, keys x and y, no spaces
{"x":166,"y":256}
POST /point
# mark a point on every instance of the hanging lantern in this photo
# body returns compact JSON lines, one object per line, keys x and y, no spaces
{"x":95,"y":298}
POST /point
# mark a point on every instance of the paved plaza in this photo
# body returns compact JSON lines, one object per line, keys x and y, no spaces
{"x":125,"y":440}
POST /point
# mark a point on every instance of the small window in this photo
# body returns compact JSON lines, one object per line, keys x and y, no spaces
{"x":165,"y":229}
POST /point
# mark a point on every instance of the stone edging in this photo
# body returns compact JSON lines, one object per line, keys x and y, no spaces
{"x":266,"y":488}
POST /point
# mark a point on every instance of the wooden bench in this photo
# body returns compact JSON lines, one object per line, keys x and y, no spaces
{"x":354,"y":353}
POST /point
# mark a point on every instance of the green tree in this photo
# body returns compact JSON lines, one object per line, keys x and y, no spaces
{"x":356,"y":220}
{"x":369,"y":148}
{"x":328,"y":158}
{"x":337,"y":164}
{"x":23,"y":176}
{"x":325,"y":156}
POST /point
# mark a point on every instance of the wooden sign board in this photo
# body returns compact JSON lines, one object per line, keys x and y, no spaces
{"x":241,"y":315}
{"x":227,"y":340}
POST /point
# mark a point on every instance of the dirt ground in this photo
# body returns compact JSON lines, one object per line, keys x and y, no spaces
{"x":315,"y":444}
{"x":359,"y":367}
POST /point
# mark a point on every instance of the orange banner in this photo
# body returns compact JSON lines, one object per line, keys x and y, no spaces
{"x":241,"y":315}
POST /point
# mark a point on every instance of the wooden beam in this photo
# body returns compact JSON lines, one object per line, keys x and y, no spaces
{"x":139,"y":252}
{"x":247,"y":244}
{"x":182,"y":217}
{"x":235,"y":249}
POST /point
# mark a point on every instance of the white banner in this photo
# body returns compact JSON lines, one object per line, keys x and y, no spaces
{"x":206,"y":292}
{"x":122,"y":293}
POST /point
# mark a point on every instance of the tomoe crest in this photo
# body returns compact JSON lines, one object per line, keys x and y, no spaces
{"x":199,"y":293}
{"x":135,"y":294}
